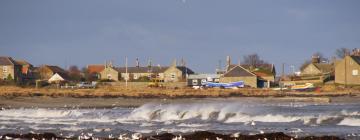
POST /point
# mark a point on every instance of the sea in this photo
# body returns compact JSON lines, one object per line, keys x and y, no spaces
{"x":242,"y":116}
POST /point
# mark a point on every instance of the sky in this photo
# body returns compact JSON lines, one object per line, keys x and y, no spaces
{"x":202,"y":32}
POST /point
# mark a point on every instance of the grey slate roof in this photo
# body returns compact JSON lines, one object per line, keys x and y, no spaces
{"x":185,"y":70}
{"x":269,"y":68}
{"x":7,"y":61}
{"x":141,"y":69}
{"x":324,"y":67}
{"x":238,"y":71}
{"x":356,"y":59}
{"x":56,"y":69}
{"x":22,"y":62}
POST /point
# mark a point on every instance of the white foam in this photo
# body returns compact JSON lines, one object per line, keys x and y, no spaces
{"x":347,"y":113}
{"x":192,"y":125}
{"x":152,"y":112}
{"x":39,"y":113}
{"x":350,"y":122}
{"x":263,"y":118}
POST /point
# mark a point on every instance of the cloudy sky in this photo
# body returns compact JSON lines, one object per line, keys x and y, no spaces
{"x":80,"y":32}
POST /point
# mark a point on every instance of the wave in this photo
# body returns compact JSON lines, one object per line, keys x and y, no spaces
{"x":349,"y":113}
{"x":350,"y":122}
{"x":40,"y":113}
{"x":231,"y":113}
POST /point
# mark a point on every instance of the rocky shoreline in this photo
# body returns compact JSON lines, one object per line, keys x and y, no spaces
{"x":200,"y":135}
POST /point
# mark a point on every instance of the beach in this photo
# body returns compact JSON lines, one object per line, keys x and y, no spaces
{"x":168,"y":113}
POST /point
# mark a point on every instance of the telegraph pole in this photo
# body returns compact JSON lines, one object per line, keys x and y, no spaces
{"x":282,"y":77}
{"x":126,"y":72}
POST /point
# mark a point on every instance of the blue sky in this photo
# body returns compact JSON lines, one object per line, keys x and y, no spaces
{"x":80,"y":32}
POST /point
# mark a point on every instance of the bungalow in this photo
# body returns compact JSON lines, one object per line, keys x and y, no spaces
{"x":347,"y":70}
{"x":239,"y":73}
{"x":132,"y":73}
{"x":136,"y":73}
{"x":264,"y":74}
{"x":317,"y":72}
{"x":201,"y":79}
{"x":10,"y":69}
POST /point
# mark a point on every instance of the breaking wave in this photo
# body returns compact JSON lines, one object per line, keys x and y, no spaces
{"x":185,"y":117}
{"x":40,"y":113}
{"x":350,"y":122}
{"x":231,"y":113}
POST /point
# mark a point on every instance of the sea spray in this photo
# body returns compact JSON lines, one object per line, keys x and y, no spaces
{"x":229,"y":117}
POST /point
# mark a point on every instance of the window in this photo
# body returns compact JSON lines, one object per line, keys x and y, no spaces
{"x":5,"y":69}
{"x":355,"y":72}
{"x":173,"y":76}
{"x":109,"y":76}
{"x":203,"y":81}
{"x":194,"y":81}
{"x":136,"y":76}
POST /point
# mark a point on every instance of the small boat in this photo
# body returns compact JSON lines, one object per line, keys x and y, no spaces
{"x":305,"y":87}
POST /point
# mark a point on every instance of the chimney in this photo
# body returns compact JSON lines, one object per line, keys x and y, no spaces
{"x":137,"y":62}
{"x":228,"y":62}
{"x":315,"y":59}
{"x":110,"y":64}
{"x":174,"y":63}
{"x":182,"y":62}
{"x":149,"y":63}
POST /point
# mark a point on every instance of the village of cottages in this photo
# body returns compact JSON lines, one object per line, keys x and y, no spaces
{"x":252,"y":73}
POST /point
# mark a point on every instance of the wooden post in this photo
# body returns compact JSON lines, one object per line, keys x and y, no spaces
{"x":281,"y":79}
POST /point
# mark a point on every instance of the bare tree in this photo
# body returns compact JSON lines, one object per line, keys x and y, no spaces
{"x":342,"y":52}
{"x":75,"y":73}
{"x":253,"y":60}
{"x":321,"y":57}
{"x":303,"y":65}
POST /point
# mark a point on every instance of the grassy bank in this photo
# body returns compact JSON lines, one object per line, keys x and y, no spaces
{"x":169,"y":92}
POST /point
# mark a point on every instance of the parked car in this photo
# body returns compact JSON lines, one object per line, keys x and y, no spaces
{"x":87,"y":85}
